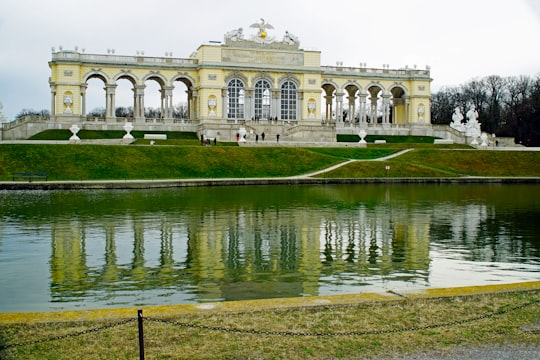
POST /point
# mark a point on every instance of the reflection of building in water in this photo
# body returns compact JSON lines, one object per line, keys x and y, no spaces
{"x":381,"y":240}
{"x":470,"y":229}
{"x":234,"y":254}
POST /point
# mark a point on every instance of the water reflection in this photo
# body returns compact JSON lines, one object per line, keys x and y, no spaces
{"x":119,"y":248}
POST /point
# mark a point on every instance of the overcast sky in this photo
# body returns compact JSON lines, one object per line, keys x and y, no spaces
{"x":459,"y":39}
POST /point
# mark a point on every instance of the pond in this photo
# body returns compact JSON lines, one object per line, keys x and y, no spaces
{"x":102,"y":249}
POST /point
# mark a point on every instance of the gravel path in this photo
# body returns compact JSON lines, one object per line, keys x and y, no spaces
{"x":491,"y":352}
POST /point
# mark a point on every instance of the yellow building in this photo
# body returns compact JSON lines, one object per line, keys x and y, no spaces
{"x":257,"y":82}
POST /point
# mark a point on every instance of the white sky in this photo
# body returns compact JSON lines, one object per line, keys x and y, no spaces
{"x":459,"y":39}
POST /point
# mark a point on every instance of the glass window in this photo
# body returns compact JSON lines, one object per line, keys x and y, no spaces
{"x":235,"y":99}
{"x":289,"y":99}
{"x":263,"y":98}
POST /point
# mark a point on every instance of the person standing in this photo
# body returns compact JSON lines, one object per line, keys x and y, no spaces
{"x":262,"y":136}
{"x":277,"y":137}
{"x":256,"y":138}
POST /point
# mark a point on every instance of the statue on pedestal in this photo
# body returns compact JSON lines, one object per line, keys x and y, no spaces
{"x":74,"y":130}
{"x":456,"y":123}
{"x":473,"y":126}
{"x":2,"y":116}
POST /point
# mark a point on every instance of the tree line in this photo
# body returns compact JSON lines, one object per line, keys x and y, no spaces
{"x":507,"y":106}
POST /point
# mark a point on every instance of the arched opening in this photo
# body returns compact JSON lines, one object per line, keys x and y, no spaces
{"x":125,"y":98}
{"x":329,"y":99}
{"x":399,"y":106}
{"x":154,"y":99}
{"x":95,"y":98}
{"x":376,"y":111}
{"x":352,"y":113}
{"x":180,"y":93}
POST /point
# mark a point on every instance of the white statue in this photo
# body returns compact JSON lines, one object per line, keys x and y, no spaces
{"x":456,"y":123}
{"x":242,"y":133}
{"x":311,"y":109}
{"x":128,"y":127}
{"x":472,"y":128}
{"x":74,"y":130}
{"x":472,"y":115}
{"x":68,"y":100}
{"x":290,"y":39}
{"x":235,"y":35}
{"x":212,"y":102}
{"x":421,"y":111}
{"x":2,"y":116}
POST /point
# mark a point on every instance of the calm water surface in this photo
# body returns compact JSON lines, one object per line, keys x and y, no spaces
{"x":97,"y":249}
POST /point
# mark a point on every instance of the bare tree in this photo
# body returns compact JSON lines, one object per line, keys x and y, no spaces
{"x":97,"y":112}
{"x":124,"y":111}
{"x":180,"y":111}
{"x":507,"y":106}
{"x":32,"y":112}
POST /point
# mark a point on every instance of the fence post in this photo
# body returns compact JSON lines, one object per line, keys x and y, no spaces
{"x":141,"y":334}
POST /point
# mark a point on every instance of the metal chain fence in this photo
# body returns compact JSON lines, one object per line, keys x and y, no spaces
{"x":345,"y":333}
{"x":65,"y":336}
{"x":140,"y":319}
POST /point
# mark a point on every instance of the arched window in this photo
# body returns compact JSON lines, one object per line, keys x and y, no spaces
{"x":262,"y":99}
{"x":289,"y":99}
{"x":235,"y":99}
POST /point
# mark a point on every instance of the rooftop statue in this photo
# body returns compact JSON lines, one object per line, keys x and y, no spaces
{"x":236,"y":38}
{"x":262,"y":26}
{"x":289,"y":38}
{"x":235,"y":35}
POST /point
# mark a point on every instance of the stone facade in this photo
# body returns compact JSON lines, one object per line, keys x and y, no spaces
{"x":257,"y":82}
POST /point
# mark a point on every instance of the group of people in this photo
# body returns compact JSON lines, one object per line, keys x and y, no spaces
{"x":208,"y":141}
{"x":270,"y":118}
{"x":263,"y":135}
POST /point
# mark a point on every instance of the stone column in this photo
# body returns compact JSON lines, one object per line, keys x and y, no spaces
{"x":363,"y":114}
{"x":352,"y":109}
{"x":339,"y":107}
{"x":166,"y":102}
{"x":138,"y":103}
{"x":274,"y":103}
{"x":248,"y":104}
{"x":373,"y":110}
{"x":163,"y":104}
{"x":329,"y":109}
{"x":189,"y":105}
{"x":386,"y":109}
{"x":194,"y":105}
{"x":53,"y":100}
{"x":224,"y":103}
{"x":110,"y":107}
{"x":300,"y":105}
{"x":407,"y":106}
{"x":83,"y":99}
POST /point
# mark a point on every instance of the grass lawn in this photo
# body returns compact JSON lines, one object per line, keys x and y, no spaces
{"x":101,"y":162}
{"x":355,"y":331}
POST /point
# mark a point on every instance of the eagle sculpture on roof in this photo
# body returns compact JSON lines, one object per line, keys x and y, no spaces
{"x":262,"y":26}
